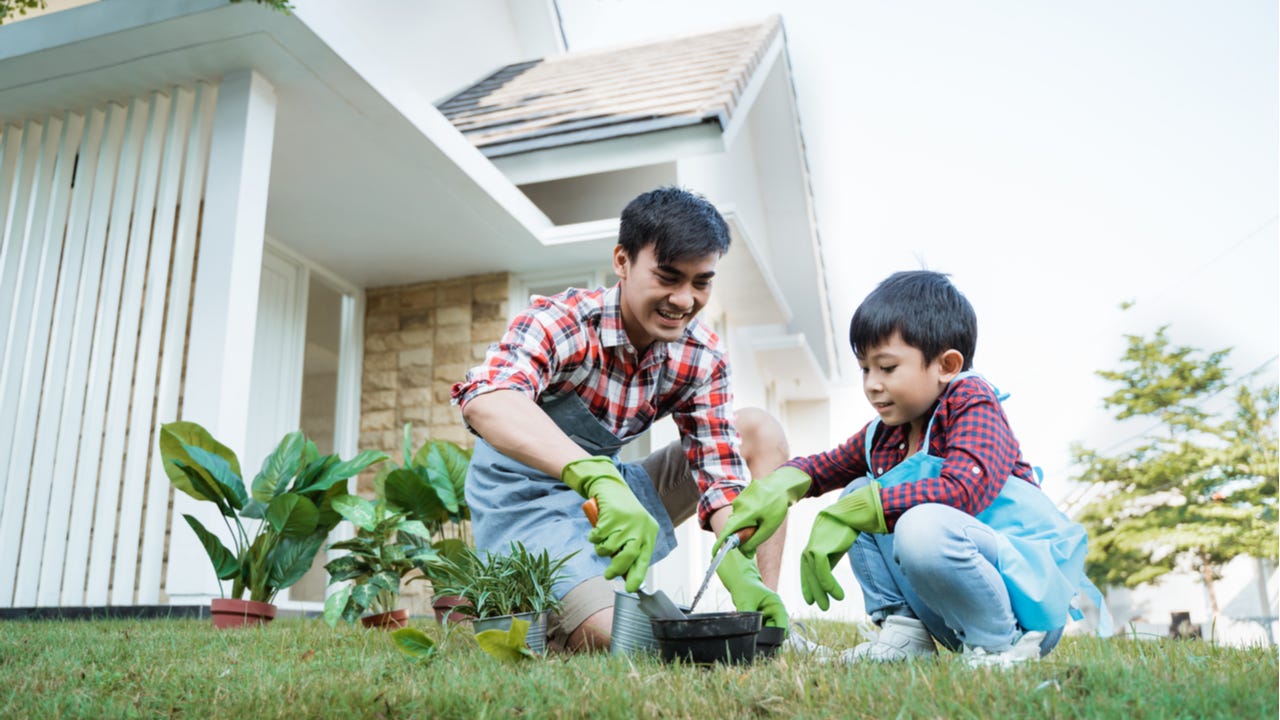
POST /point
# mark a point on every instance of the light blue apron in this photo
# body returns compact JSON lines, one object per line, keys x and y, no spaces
{"x":511,"y":501}
{"x":1041,"y":551}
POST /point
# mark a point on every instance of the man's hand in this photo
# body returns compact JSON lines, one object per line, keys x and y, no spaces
{"x":624,"y":530}
{"x":763,"y":506}
{"x":741,"y":578}
{"x":834,"y":532}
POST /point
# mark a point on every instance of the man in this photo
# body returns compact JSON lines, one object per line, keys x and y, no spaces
{"x":578,"y":375}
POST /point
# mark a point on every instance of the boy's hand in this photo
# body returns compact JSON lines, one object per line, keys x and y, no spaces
{"x":834,"y":532}
{"x":763,"y":505}
{"x":624,"y":530}
{"x":742,"y":579}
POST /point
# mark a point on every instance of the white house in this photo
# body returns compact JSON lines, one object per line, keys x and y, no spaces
{"x":261,"y":221}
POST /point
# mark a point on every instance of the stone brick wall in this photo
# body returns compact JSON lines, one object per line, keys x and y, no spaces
{"x":419,"y":340}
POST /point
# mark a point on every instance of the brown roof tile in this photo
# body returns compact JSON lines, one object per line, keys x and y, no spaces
{"x":581,"y":97}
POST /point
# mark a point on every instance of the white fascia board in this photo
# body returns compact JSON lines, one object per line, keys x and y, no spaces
{"x":92,"y":20}
{"x":789,"y":361}
{"x":738,"y":118}
{"x":617,"y":153}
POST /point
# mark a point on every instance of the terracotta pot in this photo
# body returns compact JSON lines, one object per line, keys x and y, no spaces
{"x":443,"y":606}
{"x":235,"y":613}
{"x":388,"y":620}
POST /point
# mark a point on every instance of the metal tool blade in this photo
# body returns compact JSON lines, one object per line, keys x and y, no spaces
{"x":658,"y":605}
{"x":729,"y":544}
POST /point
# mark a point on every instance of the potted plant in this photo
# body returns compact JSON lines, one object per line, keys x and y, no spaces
{"x":288,"y":508}
{"x":412,"y":504}
{"x":502,"y":588}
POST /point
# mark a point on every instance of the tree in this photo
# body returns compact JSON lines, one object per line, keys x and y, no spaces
{"x":9,"y":7}
{"x":1195,"y":489}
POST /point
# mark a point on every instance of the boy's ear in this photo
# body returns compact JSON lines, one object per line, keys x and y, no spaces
{"x":951,"y":362}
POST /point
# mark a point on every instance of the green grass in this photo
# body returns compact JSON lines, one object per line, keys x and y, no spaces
{"x":303,"y":669}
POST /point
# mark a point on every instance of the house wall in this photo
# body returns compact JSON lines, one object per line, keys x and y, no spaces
{"x":419,"y":340}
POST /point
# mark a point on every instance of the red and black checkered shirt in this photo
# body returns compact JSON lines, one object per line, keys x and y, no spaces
{"x":970,"y":433}
{"x":575,"y":342}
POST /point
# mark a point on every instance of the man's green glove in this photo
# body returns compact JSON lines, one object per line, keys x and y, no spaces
{"x":763,"y":506}
{"x":741,"y":578}
{"x":834,"y":532}
{"x":624,"y":530}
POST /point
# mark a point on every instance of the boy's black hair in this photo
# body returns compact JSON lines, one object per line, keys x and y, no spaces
{"x":925,"y":308}
{"x":680,"y":224}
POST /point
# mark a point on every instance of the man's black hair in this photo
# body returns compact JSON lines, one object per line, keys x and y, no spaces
{"x":925,"y":308}
{"x":680,"y":224}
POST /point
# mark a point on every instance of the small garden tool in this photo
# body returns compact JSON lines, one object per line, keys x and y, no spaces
{"x":655,"y":604}
{"x":729,"y":544}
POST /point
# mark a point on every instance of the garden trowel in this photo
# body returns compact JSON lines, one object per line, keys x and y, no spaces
{"x":654,"y":604}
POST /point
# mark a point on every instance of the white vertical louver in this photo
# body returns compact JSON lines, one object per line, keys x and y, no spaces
{"x":99,"y":216}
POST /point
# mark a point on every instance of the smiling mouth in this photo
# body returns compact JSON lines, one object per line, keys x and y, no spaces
{"x":672,"y":316}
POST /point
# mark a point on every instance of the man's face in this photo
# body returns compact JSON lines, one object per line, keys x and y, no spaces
{"x":659,"y":300}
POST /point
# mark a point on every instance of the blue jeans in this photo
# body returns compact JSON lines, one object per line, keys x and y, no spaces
{"x":939,"y":566}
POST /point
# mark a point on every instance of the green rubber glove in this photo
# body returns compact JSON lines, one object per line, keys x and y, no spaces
{"x":763,"y":506}
{"x":741,"y":578}
{"x":834,"y":532}
{"x":625,"y":530}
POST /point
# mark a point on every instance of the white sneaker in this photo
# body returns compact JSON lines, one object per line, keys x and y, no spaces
{"x":901,"y":638}
{"x":798,"y":642}
{"x":1026,"y":649}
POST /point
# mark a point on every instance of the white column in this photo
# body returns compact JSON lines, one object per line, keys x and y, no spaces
{"x":225,"y":302}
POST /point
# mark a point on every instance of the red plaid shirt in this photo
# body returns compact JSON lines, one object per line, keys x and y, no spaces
{"x":970,"y":433}
{"x":575,"y":342}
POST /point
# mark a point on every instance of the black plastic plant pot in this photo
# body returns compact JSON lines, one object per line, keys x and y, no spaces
{"x":769,"y":640}
{"x":705,"y":638}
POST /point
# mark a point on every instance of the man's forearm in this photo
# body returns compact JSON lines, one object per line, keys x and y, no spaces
{"x":515,"y":425}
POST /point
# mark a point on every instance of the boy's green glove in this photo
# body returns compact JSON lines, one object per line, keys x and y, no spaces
{"x":625,"y":530}
{"x":834,"y":532}
{"x":741,"y":578}
{"x":763,"y":505}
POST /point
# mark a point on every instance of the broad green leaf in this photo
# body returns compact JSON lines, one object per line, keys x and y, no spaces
{"x":279,"y":467}
{"x":313,"y":471}
{"x":216,"y":467}
{"x":408,"y":443}
{"x":422,"y":556}
{"x":224,"y":561}
{"x":176,"y":434}
{"x":329,"y":518}
{"x":355,"y":544}
{"x":347,"y":567}
{"x":508,"y":645}
{"x":386,"y":580}
{"x":254,"y":509}
{"x":341,"y":471}
{"x":410,"y":492}
{"x":392,"y":554}
{"x":291,"y":559}
{"x":359,"y":511}
{"x":414,"y":643}
{"x":455,"y":461}
{"x":414,"y":527}
{"x":204,"y":489}
{"x":364,"y":594}
{"x":292,"y":515}
{"x":335,"y":604}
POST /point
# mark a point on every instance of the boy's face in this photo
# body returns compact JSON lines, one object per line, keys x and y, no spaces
{"x":659,"y":300}
{"x":900,"y":385}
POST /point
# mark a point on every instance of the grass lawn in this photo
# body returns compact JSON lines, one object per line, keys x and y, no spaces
{"x":303,"y":669}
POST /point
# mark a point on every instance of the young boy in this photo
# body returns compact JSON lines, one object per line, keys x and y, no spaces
{"x":944,"y":522}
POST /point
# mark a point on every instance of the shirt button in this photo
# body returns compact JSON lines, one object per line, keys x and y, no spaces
{"x":976,"y":470}
{"x":879,"y":471}
{"x":902,"y":446}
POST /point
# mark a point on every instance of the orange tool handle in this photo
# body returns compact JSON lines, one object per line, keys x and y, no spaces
{"x":591,"y":509}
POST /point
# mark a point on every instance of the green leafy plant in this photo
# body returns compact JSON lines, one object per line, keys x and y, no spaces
{"x":415,"y":643}
{"x":291,"y":498}
{"x":507,"y":645}
{"x":412,"y":504}
{"x":518,"y":581}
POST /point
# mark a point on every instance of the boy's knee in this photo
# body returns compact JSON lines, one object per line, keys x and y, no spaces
{"x":763,"y":439}
{"x":920,"y":535}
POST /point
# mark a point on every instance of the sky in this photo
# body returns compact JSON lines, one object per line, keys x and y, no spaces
{"x":1056,"y":158}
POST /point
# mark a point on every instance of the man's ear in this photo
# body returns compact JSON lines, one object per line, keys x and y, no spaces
{"x":620,"y":262}
{"x":951,"y":362}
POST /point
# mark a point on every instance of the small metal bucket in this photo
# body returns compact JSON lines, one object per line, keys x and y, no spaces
{"x":632,"y":632}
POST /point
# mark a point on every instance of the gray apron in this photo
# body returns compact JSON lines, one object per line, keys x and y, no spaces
{"x":511,"y":501}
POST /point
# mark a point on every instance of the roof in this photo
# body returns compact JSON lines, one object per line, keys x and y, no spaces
{"x":583,"y":97}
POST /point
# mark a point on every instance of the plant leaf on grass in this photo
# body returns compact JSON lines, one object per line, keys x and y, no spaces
{"x":507,"y":645}
{"x":414,"y":643}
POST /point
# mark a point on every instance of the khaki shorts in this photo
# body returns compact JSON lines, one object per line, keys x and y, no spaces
{"x":669,"y":471}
